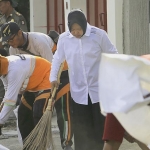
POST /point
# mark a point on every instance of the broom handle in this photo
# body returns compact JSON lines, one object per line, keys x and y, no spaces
{"x":1,"y":106}
{"x":49,"y":106}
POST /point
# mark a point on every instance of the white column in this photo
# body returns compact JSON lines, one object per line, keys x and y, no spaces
{"x":114,"y":23}
{"x":31,"y":16}
{"x":38,"y":16}
{"x":66,"y":11}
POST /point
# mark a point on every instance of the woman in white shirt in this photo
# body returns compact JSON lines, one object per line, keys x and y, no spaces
{"x":81,"y":47}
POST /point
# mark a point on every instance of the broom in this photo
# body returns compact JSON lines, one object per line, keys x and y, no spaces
{"x":1,"y":106}
{"x":40,"y":137}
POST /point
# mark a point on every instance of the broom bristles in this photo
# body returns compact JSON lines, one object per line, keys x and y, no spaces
{"x":40,"y":137}
{"x":35,"y":141}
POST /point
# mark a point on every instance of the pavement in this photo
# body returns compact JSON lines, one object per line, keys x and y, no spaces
{"x":11,"y":142}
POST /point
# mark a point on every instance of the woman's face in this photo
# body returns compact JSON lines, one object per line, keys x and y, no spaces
{"x":76,"y":30}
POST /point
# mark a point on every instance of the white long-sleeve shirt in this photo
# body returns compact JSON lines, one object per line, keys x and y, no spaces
{"x":30,"y":74}
{"x":18,"y":71}
{"x":83,"y":57}
{"x":40,"y":44}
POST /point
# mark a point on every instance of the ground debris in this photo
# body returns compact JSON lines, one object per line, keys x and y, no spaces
{"x":10,"y":125}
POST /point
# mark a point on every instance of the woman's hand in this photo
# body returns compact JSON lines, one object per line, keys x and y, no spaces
{"x":54,"y":84}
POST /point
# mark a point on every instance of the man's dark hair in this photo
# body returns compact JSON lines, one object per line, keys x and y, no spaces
{"x":8,"y":29}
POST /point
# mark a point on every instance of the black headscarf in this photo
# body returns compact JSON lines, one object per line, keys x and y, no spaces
{"x":77,"y":16}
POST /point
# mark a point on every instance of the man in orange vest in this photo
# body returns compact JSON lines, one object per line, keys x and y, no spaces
{"x":23,"y":74}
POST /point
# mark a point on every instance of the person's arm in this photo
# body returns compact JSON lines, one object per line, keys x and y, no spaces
{"x":5,"y":113}
{"x":14,"y":80}
{"x":106,"y":45}
{"x":58,"y":58}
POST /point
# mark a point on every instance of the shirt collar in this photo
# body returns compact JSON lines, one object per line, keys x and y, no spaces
{"x":26,"y":41}
{"x":87,"y":33}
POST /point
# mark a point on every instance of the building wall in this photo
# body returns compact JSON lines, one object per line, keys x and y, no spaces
{"x":38,"y":16}
{"x":149,"y":37}
{"x":149,"y":26}
{"x":136,"y":27}
{"x":66,"y":10}
{"x":127,"y":22}
{"x":114,"y":23}
{"x":73,"y":4}
{"x":38,"y":13}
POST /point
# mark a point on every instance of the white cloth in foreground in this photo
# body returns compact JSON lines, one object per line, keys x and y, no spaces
{"x":123,"y":81}
{"x":3,"y":148}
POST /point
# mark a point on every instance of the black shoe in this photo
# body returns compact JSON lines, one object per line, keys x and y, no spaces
{"x":68,"y":147}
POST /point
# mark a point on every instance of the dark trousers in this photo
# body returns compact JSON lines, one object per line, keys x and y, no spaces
{"x":88,"y":125}
{"x":64,"y":110}
{"x":31,"y":109}
{"x":2,"y":93}
{"x":64,"y":116}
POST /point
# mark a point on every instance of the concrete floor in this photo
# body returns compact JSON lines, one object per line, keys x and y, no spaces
{"x":11,"y":141}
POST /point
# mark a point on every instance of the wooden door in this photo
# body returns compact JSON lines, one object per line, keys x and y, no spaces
{"x":55,"y":15}
{"x":97,"y":13}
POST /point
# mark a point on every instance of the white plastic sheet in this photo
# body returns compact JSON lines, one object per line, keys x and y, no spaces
{"x":123,"y":80}
{"x":137,"y":123}
{"x":3,"y":148}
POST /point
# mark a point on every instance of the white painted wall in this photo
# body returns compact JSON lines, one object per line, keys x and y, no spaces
{"x":149,"y":26}
{"x":149,"y":37}
{"x":114,"y":23}
{"x":38,"y":16}
{"x":31,"y":16}
{"x":66,"y":10}
{"x":81,"y":4}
